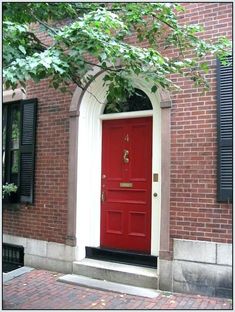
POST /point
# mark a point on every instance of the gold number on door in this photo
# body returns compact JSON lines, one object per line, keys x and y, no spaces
{"x":126,"y":138}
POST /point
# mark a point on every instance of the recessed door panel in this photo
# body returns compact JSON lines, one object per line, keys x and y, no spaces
{"x":114,"y":166}
{"x":137,"y":223}
{"x":126,"y":184}
{"x":114,"y":222}
{"x":126,"y":196}
{"x":139,"y":147}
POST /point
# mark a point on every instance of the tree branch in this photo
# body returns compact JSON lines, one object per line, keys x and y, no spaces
{"x":112,"y":68}
{"x":35,"y":38}
{"x":169,"y":25}
{"x":43,"y":23}
{"x":77,"y":82}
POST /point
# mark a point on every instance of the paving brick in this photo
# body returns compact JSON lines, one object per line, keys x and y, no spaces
{"x":43,"y":291}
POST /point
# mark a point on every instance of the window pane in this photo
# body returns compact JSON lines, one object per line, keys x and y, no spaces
{"x":137,"y":102}
{"x":3,"y":166}
{"x":14,"y":166}
{"x":4,"y":128}
{"x":15,"y":162}
{"x":15,"y":132}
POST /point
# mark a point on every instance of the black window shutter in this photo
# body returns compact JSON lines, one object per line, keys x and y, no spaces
{"x":27,"y":149}
{"x":224,"y":113}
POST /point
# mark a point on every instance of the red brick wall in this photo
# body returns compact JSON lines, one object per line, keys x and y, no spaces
{"x":195,"y":213}
{"x":47,"y":218}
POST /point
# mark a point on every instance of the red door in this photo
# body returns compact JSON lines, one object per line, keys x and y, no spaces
{"x":126,"y":184}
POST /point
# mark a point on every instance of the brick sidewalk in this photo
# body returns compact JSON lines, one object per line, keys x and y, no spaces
{"x":40,"y":289}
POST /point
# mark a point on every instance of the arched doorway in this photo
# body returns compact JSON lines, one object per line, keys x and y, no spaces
{"x":89,"y":161}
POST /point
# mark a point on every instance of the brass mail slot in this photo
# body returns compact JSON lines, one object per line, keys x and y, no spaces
{"x":126,"y":184}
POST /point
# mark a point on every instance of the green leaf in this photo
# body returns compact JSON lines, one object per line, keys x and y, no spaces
{"x":154,"y":89}
{"x":82,"y":34}
{"x":22,"y":49}
{"x":204,"y":67}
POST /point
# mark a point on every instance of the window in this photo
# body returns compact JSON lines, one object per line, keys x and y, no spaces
{"x":18,"y":130}
{"x":136,"y":102}
{"x":224,"y":114}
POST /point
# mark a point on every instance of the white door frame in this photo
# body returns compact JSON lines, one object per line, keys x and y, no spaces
{"x":89,"y":163}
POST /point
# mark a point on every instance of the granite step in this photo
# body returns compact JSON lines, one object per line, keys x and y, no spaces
{"x":80,"y":280}
{"x":117,"y":272}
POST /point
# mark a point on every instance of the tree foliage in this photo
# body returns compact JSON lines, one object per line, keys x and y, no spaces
{"x":83,"y":31}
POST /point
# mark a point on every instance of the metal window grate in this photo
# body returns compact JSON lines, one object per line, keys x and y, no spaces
{"x":12,"y":257}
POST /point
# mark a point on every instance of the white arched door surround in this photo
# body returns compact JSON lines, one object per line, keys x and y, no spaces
{"x":92,"y":105}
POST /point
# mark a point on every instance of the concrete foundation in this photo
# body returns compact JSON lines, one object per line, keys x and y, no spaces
{"x":44,"y":255}
{"x":198,"y":268}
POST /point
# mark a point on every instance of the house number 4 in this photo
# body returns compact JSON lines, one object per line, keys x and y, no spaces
{"x":126,"y":138}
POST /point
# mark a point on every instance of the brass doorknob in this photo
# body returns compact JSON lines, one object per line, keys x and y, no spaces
{"x":102,"y":196}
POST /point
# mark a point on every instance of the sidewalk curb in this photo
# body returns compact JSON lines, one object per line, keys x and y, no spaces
{"x":15,"y":273}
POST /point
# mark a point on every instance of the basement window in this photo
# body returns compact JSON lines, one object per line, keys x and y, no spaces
{"x":12,"y":257}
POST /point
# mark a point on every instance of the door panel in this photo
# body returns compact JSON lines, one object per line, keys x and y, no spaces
{"x":137,"y":223}
{"x":126,"y":196}
{"x":114,"y":166}
{"x":138,"y":171}
{"x":126,"y":184}
{"x":114,"y":221}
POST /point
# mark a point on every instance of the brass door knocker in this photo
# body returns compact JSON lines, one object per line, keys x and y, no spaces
{"x":126,"y":156}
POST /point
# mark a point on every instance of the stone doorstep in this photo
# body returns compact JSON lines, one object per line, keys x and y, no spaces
{"x":108,"y":286}
{"x":117,"y":273}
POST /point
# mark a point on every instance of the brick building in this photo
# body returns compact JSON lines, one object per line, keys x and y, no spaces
{"x":183,"y":182}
